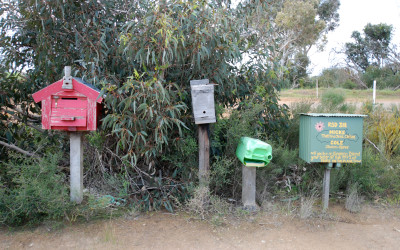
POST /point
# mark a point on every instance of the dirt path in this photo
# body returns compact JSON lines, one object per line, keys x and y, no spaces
{"x":371,"y":229}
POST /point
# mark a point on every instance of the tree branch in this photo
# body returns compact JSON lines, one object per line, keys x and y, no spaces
{"x":33,"y":116}
{"x":383,"y":155}
{"x":12,"y":146}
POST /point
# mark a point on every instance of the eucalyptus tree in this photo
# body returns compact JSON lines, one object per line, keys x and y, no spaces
{"x":370,"y":48}
{"x":287,"y":30}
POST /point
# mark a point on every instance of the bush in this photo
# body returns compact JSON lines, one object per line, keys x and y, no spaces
{"x":33,"y":190}
{"x":383,"y":130}
{"x":290,"y":136}
{"x":335,"y":78}
{"x":332,"y":100}
{"x":385,"y":77}
{"x":226,"y":168}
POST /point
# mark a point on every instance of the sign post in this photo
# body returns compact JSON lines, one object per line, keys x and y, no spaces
{"x":332,"y":139}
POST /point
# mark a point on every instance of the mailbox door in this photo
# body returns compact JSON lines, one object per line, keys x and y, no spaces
{"x":68,"y":111}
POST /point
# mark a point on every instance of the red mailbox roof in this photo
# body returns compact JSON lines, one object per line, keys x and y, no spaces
{"x":78,"y":85}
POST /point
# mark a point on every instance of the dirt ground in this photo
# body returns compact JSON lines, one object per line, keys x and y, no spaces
{"x":373,"y":228}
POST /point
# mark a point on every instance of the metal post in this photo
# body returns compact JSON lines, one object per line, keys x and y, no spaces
{"x":76,"y":167}
{"x":204,"y":154}
{"x":325,"y":186}
{"x":374,"y":93}
{"x":249,"y":188}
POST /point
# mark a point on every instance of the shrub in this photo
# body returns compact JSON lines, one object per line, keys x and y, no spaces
{"x":353,"y":199}
{"x":384,"y":131}
{"x":226,"y":169}
{"x":306,"y":206}
{"x":348,"y":84}
{"x":332,"y":100}
{"x":33,"y":190}
{"x":203,"y":204}
{"x":290,"y":136}
{"x":336,"y":78}
{"x":385,"y":77}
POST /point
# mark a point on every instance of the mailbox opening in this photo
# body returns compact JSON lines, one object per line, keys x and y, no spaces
{"x":69,"y":98}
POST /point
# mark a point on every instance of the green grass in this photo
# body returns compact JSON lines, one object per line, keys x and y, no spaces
{"x":349,"y":93}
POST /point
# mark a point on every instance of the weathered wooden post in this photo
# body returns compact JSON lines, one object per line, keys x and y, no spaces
{"x":71,"y":105}
{"x":76,"y":167}
{"x":204,"y":113}
{"x":249,"y":177}
{"x":332,"y":139}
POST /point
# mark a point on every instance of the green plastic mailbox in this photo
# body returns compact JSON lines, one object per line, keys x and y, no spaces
{"x":254,"y":153}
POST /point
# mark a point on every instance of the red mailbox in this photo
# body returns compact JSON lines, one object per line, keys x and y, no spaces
{"x":69,"y":104}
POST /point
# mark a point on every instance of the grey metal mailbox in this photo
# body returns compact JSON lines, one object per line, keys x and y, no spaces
{"x":203,"y":101}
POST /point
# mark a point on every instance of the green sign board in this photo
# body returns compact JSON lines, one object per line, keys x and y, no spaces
{"x":335,"y":138}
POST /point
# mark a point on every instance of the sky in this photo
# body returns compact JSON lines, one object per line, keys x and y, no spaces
{"x":354,"y":15}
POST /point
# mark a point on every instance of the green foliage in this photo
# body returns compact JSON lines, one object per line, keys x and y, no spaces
{"x":372,"y":48}
{"x":328,"y":11}
{"x":333,"y":101}
{"x":385,"y":77}
{"x":182,"y":157}
{"x":336,"y":78}
{"x":290,"y":136}
{"x":303,"y":24}
{"x":247,"y":120}
{"x":226,"y":169}
{"x":144,"y":116}
{"x":383,"y":129}
{"x":301,"y":16}
{"x":375,"y":177}
{"x":32,"y":191}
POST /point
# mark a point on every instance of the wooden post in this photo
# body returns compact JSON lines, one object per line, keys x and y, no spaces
{"x":76,"y":167}
{"x":204,"y":154}
{"x":317,"y":87}
{"x":325,"y":187}
{"x":249,"y":188}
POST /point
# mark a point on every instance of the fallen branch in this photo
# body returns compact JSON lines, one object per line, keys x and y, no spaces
{"x":12,"y":146}
{"x":377,"y":149}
